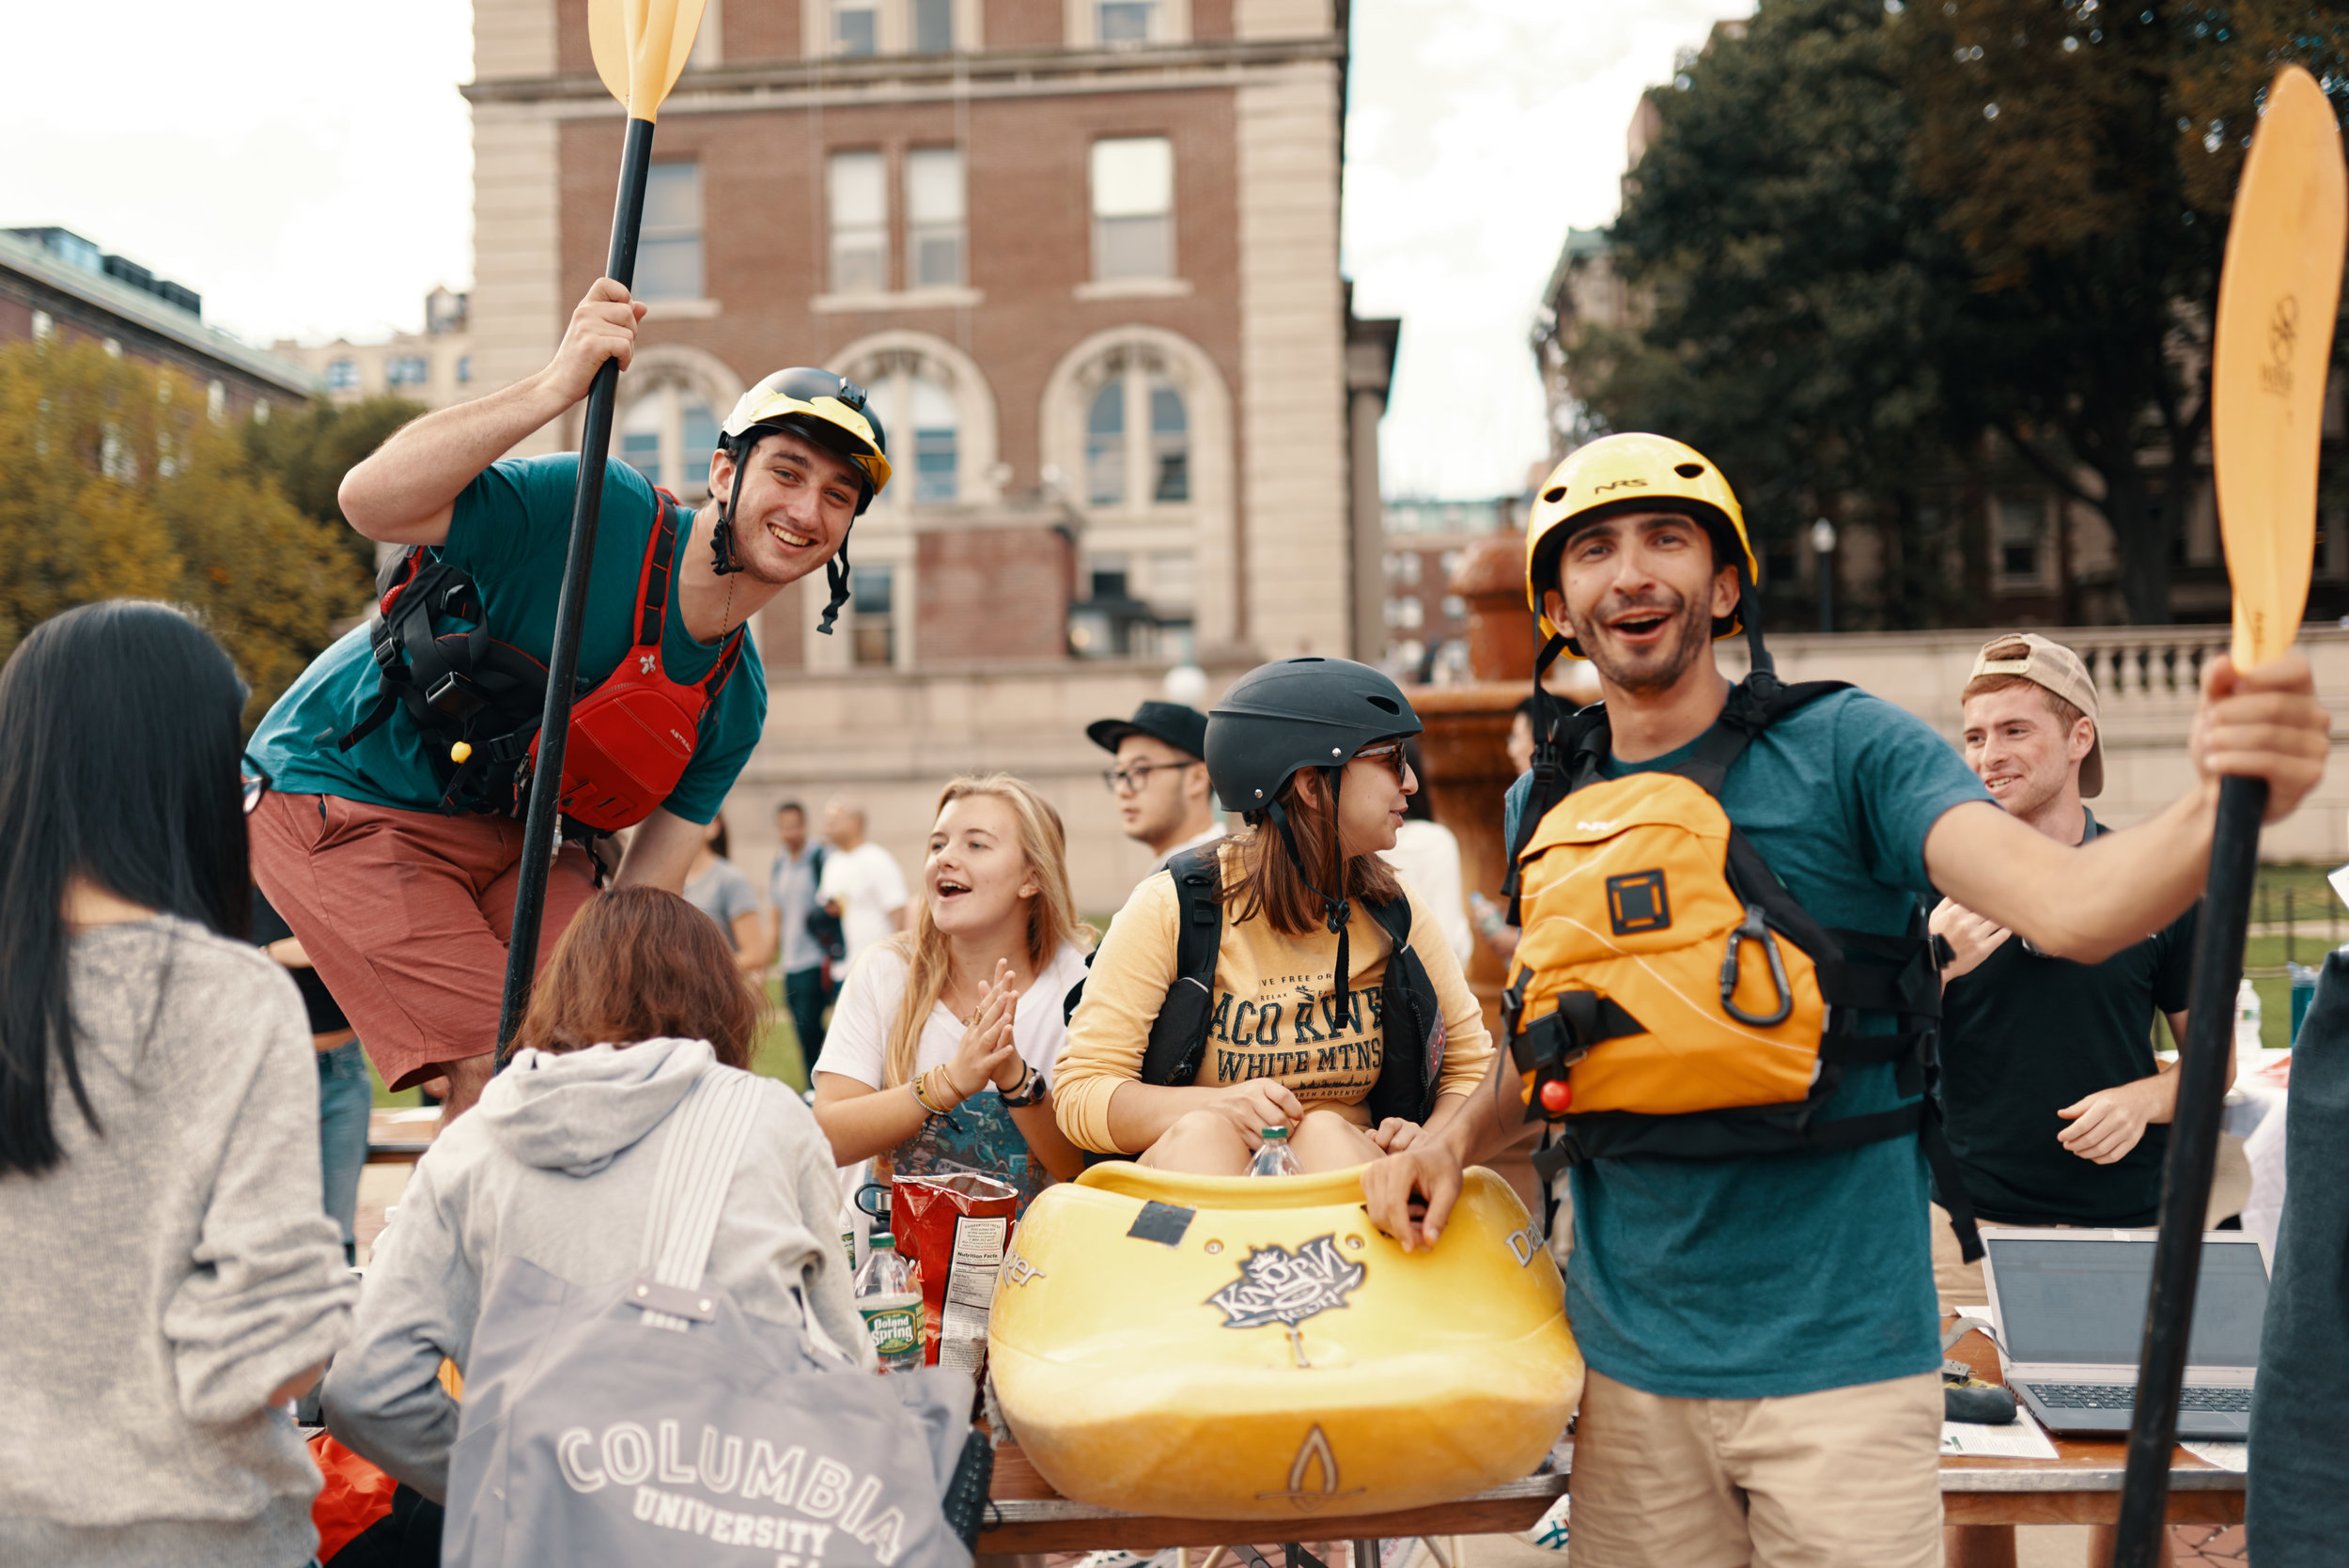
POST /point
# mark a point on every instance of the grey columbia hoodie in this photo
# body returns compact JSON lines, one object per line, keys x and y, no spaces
{"x":557,"y":1165}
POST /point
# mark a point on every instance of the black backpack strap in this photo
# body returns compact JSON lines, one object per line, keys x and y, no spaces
{"x":1179,"y":1035}
{"x":1410,"y":1017}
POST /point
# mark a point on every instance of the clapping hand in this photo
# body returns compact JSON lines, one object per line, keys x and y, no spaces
{"x":988,"y":1053}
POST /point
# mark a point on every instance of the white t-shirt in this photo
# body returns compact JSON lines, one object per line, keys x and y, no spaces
{"x":858,"y":1041}
{"x":1428,"y":856}
{"x":868,"y":887}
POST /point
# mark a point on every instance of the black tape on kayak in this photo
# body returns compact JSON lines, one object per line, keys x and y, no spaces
{"x":1161,"y":1222}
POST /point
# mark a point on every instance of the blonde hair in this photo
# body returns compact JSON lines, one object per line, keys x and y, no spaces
{"x":1052,"y":915}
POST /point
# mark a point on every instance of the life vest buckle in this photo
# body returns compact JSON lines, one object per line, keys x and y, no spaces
{"x":1754,"y":929}
{"x":455,"y":697}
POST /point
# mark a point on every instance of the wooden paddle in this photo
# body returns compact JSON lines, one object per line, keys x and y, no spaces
{"x":640,"y":47}
{"x":2271,"y":349}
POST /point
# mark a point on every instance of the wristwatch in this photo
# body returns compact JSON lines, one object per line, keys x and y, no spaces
{"x":1032,"y":1091}
{"x":1943,"y":953}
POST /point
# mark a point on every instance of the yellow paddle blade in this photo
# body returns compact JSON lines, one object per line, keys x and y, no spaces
{"x":2271,"y":346}
{"x":640,"y":48}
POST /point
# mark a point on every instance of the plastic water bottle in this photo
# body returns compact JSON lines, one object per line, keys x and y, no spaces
{"x":889,"y":1294}
{"x":2246,"y":1020}
{"x":1274,"y":1157}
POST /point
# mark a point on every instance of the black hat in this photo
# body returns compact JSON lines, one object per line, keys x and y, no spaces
{"x":1183,"y":728}
{"x":1308,"y":712}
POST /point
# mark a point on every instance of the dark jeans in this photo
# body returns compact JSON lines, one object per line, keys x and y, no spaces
{"x":804,"y":995}
{"x":345,"y":1098}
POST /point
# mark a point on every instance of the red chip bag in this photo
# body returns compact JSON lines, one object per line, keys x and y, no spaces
{"x":356,"y":1495}
{"x":957,"y":1228}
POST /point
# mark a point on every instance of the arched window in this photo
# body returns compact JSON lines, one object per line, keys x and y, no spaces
{"x":1137,"y":435}
{"x":1105,"y":447}
{"x":1170,"y":443}
{"x":935,"y":420}
{"x":924,"y":422}
{"x":667,"y":435}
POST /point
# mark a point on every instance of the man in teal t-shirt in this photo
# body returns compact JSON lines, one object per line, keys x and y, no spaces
{"x":405,"y":903}
{"x":1760,"y":1330}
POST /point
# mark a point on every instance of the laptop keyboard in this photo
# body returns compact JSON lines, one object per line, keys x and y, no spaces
{"x":2123,"y":1396}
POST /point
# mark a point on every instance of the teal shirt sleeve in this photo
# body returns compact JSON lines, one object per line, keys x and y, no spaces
{"x":1897,"y":777}
{"x":730,"y":734}
{"x":519,"y":510}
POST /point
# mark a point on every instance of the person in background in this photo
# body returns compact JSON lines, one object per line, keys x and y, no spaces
{"x":1521,"y":742}
{"x":802,"y":955}
{"x":1158,"y":782}
{"x":1428,"y":856}
{"x":716,"y":886}
{"x":171,"y":1280}
{"x":861,"y":886}
{"x":942,"y":1046}
{"x":345,"y":1096}
{"x":557,"y":1165}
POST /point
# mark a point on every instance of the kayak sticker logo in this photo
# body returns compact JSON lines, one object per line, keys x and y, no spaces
{"x":1313,"y":1454}
{"x":1276,"y":1285}
{"x":1018,"y":1270}
{"x":2283,"y":335}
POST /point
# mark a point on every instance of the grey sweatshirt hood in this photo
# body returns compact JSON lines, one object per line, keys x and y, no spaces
{"x":576,"y":1111}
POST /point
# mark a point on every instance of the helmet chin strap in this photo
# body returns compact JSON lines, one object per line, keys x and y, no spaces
{"x":1337,"y":913}
{"x":723,"y":561}
{"x":836,"y":578}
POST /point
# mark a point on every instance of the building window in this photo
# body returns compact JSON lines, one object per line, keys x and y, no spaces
{"x":216,"y":402}
{"x":859,"y":195}
{"x":1407,"y":613}
{"x":872,"y":597}
{"x":667,"y":435}
{"x":1127,"y":20}
{"x":669,"y":256}
{"x":407,"y":370}
{"x":934,"y":217}
{"x":1133,"y":208}
{"x":2021,"y":523}
{"x":856,"y":26}
{"x":933,"y":27}
{"x":1137,"y":437}
{"x":342,"y":375}
{"x":464,"y":369}
{"x":917,"y":405}
{"x":44,"y":326}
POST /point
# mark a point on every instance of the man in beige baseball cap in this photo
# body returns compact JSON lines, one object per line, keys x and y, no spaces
{"x":2016,"y":662}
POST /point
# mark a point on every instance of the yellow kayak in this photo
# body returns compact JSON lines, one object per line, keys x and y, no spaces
{"x":1227,"y":1347}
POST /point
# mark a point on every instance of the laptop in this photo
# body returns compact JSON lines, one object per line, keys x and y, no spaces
{"x":2069,"y":1307}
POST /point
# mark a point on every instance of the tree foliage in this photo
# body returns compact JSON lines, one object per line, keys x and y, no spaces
{"x":121,"y":486}
{"x":308,"y":452}
{"x":1872,"y":233}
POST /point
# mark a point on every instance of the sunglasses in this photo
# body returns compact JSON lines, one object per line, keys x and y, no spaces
{"x":1388,"y":752}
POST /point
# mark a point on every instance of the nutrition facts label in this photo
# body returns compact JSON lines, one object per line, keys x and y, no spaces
{"x":979,"y":1245}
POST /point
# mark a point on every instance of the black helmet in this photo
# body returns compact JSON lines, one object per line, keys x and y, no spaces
{"x":828,"y":409}
{"x":1298,"y":713}
{"x":1307,"y":712}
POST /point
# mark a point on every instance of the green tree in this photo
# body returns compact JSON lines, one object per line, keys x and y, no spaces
{"x":1800,"y":294}
{"x":121,"y":486}
{"x":2085,"y":155}
{"x":308,"y":452}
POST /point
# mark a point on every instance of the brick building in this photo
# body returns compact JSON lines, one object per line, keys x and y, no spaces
{"x":1428,"y":622}
{"x":1083,"y":253}
{"x":55,"y":283}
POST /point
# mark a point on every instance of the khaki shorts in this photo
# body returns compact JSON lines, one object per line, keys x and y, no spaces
{"x":1843,"y":1478}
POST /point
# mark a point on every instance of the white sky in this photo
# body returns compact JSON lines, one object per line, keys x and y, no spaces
{"x":308,"y":168}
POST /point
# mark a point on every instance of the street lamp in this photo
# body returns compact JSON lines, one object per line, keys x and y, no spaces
{"x":1823,"y":544}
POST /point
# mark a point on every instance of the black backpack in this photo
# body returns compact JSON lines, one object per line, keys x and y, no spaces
{"x":1404,"y":1007}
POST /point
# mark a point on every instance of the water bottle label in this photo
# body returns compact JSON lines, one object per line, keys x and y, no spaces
{"x":895,"y":1330}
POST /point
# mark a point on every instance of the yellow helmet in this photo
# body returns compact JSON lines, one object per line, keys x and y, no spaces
{"x":1631,"y":474}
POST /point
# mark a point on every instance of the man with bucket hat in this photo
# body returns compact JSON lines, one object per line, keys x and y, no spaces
{"x":1159,"y":780}
{"x":2056,"y":1110}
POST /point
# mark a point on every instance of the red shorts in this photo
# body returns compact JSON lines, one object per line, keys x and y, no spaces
{"x":406,"y":916}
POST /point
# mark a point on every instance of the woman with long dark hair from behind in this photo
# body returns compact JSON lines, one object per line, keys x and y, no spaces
{"x":1298,"y":1028}
{"x":168,"y":1276}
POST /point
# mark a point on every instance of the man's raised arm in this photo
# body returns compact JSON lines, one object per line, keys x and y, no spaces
{"x":403,"y":492}
{"x":2087,"y":903}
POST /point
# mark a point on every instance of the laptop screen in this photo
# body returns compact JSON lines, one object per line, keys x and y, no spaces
{"x":2084,"y":1301}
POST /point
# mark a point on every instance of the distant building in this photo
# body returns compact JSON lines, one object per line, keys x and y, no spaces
{"x":1084,"y":254}
{"x":1427,"y":622}
{"x":55,"y":285}
{"x":433,"y":368}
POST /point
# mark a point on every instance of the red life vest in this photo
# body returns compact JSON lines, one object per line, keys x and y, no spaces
{"x":479,"y":701}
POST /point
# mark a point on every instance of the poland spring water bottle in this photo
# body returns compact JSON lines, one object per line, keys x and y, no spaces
{"x":889,"y":1294}
{"x":1274,"y":1157}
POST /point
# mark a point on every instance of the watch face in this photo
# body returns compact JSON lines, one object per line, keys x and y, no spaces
{"x":2032,"y":947}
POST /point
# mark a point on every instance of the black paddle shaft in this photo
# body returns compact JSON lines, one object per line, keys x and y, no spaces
{"x":555,"y":725}
{"x":2186,"y":1173}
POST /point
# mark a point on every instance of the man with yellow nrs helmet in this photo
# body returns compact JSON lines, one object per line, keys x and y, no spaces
{"x":399,"y":758}
{"x":1724,"y":1002}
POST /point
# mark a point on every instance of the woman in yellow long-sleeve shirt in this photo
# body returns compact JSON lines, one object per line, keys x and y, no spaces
{"x":1301,"y":1024}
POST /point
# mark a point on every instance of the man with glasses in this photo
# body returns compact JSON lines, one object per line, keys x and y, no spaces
{"x":1159,"y":782}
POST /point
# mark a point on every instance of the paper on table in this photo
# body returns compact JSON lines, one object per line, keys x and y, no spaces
{"x":2227,"y":1456}
{"x":2339,"y":879}
{"x":1971,"y":1440}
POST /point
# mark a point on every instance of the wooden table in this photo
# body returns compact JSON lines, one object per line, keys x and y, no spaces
{"x":2082,"y":1485}
{"x":401,"y":1137}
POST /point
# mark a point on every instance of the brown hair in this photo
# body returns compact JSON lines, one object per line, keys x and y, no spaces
{"x":1269,"y":885}
{"x":2066,"y":714}
{"x":642,"y":964}
{"x":1052,"y":915}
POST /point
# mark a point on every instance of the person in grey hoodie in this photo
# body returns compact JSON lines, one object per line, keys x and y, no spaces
{"x":168,"y":1276}
{"x":555,"y":1165}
